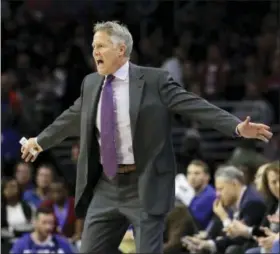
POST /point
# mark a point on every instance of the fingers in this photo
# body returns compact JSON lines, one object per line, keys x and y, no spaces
{"x":263,"y":138}
{"x":25,"y":152}
{"x":267,"y":133}
{"x":264,"y":135}
{"x":266,"y":230}
{"x":247,"y":120}
{"x":30,"y":151}
{"x":27,"y":156}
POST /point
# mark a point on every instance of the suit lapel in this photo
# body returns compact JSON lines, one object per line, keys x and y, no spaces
{"x":136,"y":85}
{"x":93,"y":102}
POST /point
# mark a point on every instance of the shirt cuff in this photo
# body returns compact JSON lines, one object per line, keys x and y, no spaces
{"x":212,"y":246}
{"x":237,"y":132}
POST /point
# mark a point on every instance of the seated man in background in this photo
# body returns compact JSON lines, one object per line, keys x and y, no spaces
{"x":235,"y":201}
{"x":44,"y":177}
{"x":200,"y":196}
{"x":63,"y":208}
{"x":42,"y":240}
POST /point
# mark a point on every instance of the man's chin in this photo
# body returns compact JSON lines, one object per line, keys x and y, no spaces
{"x":102,"y":72}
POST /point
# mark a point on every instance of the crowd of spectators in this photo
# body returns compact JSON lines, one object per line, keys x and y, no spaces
{"x":228,"y":208}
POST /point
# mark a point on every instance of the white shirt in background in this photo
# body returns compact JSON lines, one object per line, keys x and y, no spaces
{"x":183,"y":190}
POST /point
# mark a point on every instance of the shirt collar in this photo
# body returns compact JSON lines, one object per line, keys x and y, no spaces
{"x":122,"y":72}
{"x":237,"y":205}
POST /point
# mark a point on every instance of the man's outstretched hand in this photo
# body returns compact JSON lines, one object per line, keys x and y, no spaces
{"x":28,"y":148}
{"x":247,"y":129}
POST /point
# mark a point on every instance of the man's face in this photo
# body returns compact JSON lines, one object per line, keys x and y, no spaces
{"x":58,"y":192}
{"x":107,"y":55}
{"x":44,"y":224}
{"x":23,"y":173}
{"x":44,"y":177}
{"x":226,"y":191}
{"x":11,"y":189}
{"x":196,"y":176}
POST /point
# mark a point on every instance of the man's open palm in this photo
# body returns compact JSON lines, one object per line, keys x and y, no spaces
{"x":259,"y":131}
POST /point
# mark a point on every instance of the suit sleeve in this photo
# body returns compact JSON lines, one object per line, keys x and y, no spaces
{"x":189,"y":105}
{"x":65,"y":125}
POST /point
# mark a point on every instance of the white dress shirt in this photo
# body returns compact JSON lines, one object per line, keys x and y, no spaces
{"x":120,"y":86}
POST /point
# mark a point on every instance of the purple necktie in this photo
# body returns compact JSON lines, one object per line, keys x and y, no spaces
{"x":108,"y":129}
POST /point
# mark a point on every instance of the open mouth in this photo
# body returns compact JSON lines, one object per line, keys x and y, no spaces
{"x":99,"y":62}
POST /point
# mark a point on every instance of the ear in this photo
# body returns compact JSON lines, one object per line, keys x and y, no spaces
{"x":235,"y":182}
{"x":122,"y":49}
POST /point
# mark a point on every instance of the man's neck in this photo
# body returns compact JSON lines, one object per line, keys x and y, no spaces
{"x":199,"y":190}
{"x":120,"y":64}
{"x":39,"y":238}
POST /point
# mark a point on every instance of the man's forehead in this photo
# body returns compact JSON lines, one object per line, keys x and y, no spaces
{"x":101,"y":35}
{"x":195,"y":168}
{"x":219,"y":181}
{"x":43,"y":216}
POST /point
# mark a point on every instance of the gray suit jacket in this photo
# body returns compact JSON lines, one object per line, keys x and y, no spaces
{"x":153,"y":97}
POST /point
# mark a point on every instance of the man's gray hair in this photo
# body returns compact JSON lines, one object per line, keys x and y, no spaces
{"x":118,"y":33}
{"x":230,"y":173}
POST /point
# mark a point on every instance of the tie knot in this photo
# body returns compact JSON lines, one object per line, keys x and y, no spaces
{"x":110,"y":78}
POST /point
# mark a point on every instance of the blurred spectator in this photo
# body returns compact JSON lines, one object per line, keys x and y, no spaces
{"x":198,"y":176}
{"x":63,"y":208}
{"x":174,"y":65}
{"x":23,"y":175}
{"x":271,"y":86}
{"x":259,"y":176}
{"x":69,"y":170}
{"x":179,"y":222}
{"x":75,"y":152}
{"x":235,"y":201}
{"x":42,"y":240}
{"x":246,"y":154}
{"x":191,"y":147}
{"x":16,"y":214}
{"x":44,"y":177}
{"x":254,"y":105}
{"x":271,"y":190}
{"x":214,"y":73}
{"x":190,"y":79}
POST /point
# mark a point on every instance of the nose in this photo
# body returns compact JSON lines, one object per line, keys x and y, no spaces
{"x":95,"y":53}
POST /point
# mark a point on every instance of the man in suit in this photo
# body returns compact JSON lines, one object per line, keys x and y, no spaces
{"x":236,"y":201}
{"x":126,"y":165}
